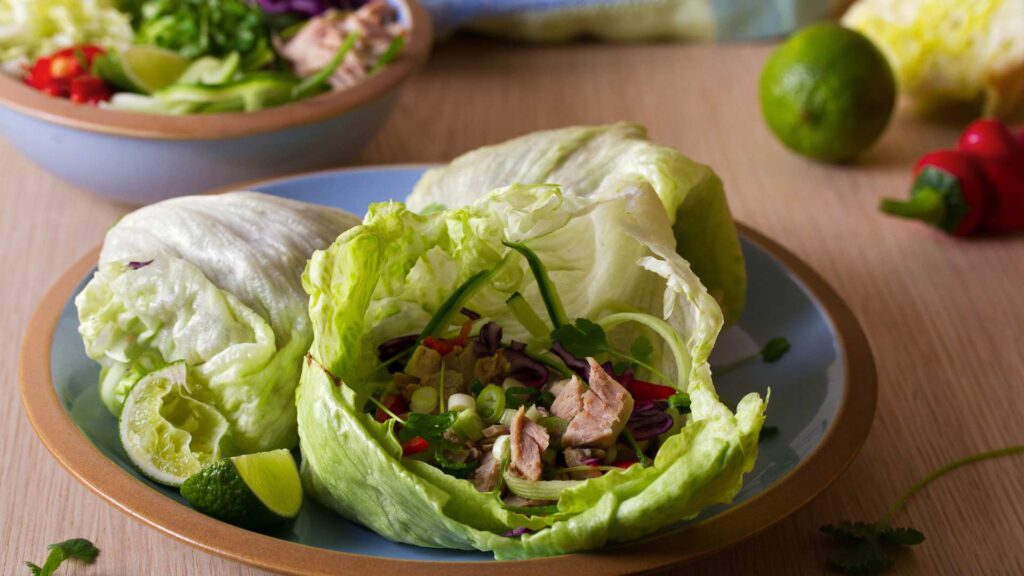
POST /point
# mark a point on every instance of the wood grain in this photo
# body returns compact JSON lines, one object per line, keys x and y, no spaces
{"x":943,"y":316}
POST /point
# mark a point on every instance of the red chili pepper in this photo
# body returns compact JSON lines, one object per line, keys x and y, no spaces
{"x":67,"y":74}
{"x":978,"y":188}
{"x":393,"y":402}
{"x":625,"y":462}
{"x":647,"y":391}
{"x":439,"y":345}
{"x":445,"y":347}
{"x":414,"y":446}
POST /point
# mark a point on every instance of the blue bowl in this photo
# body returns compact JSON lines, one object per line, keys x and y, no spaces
{"x":143,"y":158}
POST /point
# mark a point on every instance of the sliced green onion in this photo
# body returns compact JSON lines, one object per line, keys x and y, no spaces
{"x":524,"y":313}
{"x":490,"y":403}
{"x":640,"y":456}
{"x":538,"y":489}
{"x":661,"y":328}
{"x":424,"y":400}
{"x":532,"y":413}
{"x":502,"y":449}
{"x":454,"y":304}
{"x":317,"y":82}
{"x":554,"y":424}
{"x":389,"y":55}
{"x":459,"y":402}
{"x":469,"y":425}
{"x":440,"y":389}
{"x":508,"y":416}
{"x":548,"y":291}
{"x":549,"y":456}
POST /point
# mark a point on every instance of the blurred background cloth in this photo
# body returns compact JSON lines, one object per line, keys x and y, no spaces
{"x":624,"y":20}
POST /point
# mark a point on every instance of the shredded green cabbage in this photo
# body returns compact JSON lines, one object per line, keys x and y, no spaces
{"x":33,"y":28}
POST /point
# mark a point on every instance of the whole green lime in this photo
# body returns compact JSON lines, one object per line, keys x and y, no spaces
{"x":827,"y":92}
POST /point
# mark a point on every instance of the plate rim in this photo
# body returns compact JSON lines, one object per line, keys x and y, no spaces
{"x":817,"y":471}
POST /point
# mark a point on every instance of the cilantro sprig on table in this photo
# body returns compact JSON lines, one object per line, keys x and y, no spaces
{"x":74,"y":549}
{"x":870,"y":547}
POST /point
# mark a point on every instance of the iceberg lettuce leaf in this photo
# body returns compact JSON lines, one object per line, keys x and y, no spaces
{"x":602,"y":162}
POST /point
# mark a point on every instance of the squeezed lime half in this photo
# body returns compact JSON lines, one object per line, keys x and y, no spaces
{"x":167,"y":433}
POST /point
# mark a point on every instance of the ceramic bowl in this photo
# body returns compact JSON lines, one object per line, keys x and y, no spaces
{"x":143,"y":158}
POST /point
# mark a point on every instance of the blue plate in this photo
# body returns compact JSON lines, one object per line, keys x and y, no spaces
{"x":811,"y":404}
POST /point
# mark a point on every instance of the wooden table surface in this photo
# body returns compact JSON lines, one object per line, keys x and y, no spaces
{"x":944,"y":316}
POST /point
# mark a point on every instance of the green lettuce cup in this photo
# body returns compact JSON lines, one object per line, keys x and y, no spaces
{"x":212,"y":283}
{"x":611,"y":259}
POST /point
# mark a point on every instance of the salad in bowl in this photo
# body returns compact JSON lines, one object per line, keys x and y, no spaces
{"x":195,"y":56}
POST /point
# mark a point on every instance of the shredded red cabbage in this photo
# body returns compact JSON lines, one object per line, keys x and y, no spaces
{"x":517,"y":532}
{"x":649,"y":419}
{"x":307,"y":7}
{"x":581,"y":368}
{"x":591,"y":462}
{"x":137,"y":265}
{"x":517,"y":345}
{"x":389,"y":349}
{"x":469,"y":314}
{"x":531,"y":373}
{"x":486,"y":343}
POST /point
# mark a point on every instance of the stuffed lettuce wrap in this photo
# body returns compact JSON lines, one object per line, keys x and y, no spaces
{"x":209,"y":286}
{"x":601,"y":162}
{"x":527,"y":374}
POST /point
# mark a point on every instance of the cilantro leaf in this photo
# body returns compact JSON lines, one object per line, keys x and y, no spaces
{"x":426,"y":426}
{"x":774,"y":349}
{"x":581,"y":339}
{"x":642,"y":350}
{"x":680,"y":401}
{"x":74,"y":549}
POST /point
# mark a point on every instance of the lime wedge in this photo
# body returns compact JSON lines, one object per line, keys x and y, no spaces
{"x":166,"y":432}
{"x":254,"y":491}
{"x":142,"y":68}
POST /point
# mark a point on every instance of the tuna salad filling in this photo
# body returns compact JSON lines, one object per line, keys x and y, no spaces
{"x":526,"y":423}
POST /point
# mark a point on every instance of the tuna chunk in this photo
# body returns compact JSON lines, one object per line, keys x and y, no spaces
{"x":606,"y":408}
{"x":424,"y":363}
{"x":491,"y":369}
{"x":486,"y":476}
{"x":529,"y":441}
{"x":569,"y":401}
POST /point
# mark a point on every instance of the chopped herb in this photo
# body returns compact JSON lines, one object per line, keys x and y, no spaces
{"x":680,"y":401}
{"x":767,"y":432}
{"x":586,"y":338}
{"x":452,"y":468}
{"x":772,"y":351}
{"x":74,"y":549}
{"x":517,"y":396}
{"x":426,"y":426}
{"x":642,"y":350}
{"x":867,"y":547}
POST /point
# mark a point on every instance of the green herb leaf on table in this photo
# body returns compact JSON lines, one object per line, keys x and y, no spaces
{"x":74,"y":549}
{"x":868,"y":547}
{"x":429,"y":427}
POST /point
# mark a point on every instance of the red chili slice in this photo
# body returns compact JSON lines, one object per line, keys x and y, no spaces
{"x":414,"y":446}
{"x":395,"y":403}
{"x":647,"y":391}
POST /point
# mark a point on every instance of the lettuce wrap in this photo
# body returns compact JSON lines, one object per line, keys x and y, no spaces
{"x":602,"y":161}
{"x":612,"y":256}
{"x":212,"y":282}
